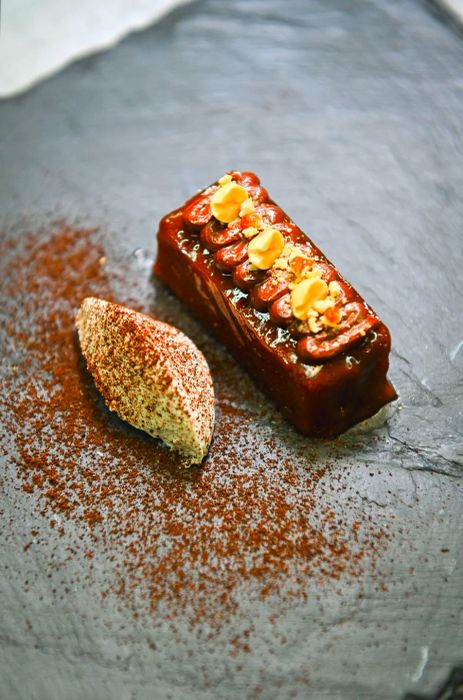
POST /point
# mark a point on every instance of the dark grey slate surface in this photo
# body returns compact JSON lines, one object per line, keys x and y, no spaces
{"x":352,"y":114}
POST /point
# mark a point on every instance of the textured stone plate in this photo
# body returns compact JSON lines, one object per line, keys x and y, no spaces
{"x":353,"y":118}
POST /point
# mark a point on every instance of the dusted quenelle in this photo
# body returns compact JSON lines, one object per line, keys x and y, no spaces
{"x":270,"y":295}
{"x":151,"y":374}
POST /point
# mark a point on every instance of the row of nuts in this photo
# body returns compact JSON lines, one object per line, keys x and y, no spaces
{"x":312,"y":299}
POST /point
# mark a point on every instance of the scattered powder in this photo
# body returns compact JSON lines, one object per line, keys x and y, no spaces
{"x":260,"y":515}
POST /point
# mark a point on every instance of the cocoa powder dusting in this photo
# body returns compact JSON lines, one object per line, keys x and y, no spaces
{"x":258,"y":517}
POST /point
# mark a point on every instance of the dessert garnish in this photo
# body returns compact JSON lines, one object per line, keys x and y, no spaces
{"x":151,"y":374}
{"x":265,"y":247}
{"x":264,"y":288}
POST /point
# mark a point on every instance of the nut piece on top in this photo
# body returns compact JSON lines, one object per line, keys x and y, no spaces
{"x":308,"y":294}
{"x":265,"y":248}
{"x":227,"y":200}
{"x":151,"y":374}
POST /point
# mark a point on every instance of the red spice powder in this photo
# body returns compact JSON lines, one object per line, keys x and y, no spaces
{"x":256,"y":515}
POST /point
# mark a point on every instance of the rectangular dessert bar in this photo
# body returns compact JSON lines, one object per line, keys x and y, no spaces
{"x":270,"y":295}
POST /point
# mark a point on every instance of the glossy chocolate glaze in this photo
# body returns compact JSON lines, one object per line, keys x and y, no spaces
{"x":323,"y":383}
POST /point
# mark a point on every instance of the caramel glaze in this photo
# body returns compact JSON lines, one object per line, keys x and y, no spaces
{"x":323,"y":383}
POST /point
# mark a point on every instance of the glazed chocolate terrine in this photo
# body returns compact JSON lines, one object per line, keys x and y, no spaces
{"x":270,"y":295}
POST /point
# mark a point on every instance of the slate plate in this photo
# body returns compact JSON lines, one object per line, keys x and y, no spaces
{"x":353,"y":117}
